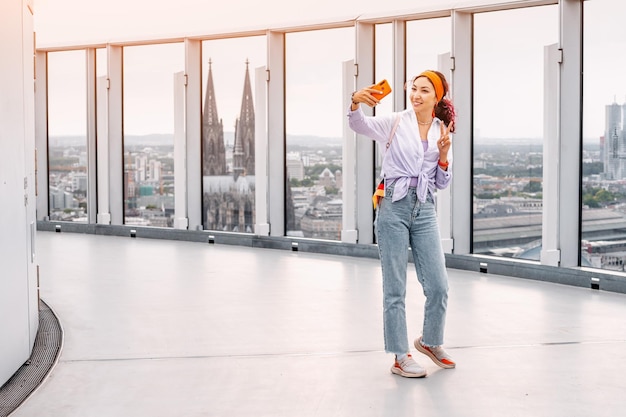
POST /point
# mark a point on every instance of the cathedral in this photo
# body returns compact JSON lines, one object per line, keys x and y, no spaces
{"x":228,"y":192}
{"x":228,"y":175}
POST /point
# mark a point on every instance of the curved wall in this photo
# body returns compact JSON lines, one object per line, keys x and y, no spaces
{"x":18,"y":272}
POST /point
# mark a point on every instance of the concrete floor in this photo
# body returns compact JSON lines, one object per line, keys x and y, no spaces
{"x":169,"y":328}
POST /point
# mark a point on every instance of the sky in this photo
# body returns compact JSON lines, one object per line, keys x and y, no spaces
{"x":59,"y":21}
{"x":508,"y":66}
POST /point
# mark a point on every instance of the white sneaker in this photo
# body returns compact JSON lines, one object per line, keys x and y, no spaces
{"x":437,"y":354}
{"x":408,"y":368}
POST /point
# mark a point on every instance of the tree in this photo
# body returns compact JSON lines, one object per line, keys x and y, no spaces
{"x":533,"y":187}
{"x":589,"y":201}
{"x":593,"y":168}
{"x":331,"y":190}
{"x":604,"y":196}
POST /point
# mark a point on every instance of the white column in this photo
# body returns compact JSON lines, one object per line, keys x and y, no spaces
{"x":570,"y":131}
{"x":364,"y":146}
{"x":18,"y":283}
{"x":193,"y":131}
{"x":261,"y":150}
{"x":30,"y":203}
{"x":399,"y":64}
{"x":41,"y":134}
{"x":462,"y":184}
{"x":115,"y":134}
{"x":92,"y":210}
{"x":349,"y":232}
{"x":550,"y":253}
{"x":444,"y":199}
{"x":276,"y":131}
{"x":180,"y":154}
{"x":102,"y":152}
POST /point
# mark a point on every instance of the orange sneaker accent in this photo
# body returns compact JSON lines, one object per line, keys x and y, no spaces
{"x":437,"y":355}
{"x":408,"y":368}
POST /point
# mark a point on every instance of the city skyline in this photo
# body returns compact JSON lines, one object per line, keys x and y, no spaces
{"x":504,"y":196}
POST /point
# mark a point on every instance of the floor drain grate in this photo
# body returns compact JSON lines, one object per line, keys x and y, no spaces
{"x":46,"y":349}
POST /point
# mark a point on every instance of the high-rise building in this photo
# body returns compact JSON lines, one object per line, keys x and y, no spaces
{"x":614,"y":142}
{"x":141,"y":163}
{"x":154,"y":170}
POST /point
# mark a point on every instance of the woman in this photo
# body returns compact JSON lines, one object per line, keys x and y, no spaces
{"x":416,"y":146}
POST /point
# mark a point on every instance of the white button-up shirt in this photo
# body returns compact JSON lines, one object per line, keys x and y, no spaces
{"x":405,"y":158}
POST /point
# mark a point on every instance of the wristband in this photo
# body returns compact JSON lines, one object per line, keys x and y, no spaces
{"x":442,"y":165}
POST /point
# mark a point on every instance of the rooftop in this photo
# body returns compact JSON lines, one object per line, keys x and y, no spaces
{"x":169,"y":328}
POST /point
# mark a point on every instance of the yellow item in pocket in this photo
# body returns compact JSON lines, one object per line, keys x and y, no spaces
{"x":378,"y":194}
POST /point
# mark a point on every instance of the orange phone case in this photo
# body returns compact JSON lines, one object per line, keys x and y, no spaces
{"x":384,"y":87}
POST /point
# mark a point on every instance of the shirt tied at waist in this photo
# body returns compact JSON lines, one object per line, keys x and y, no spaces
{"x":402,"y":184}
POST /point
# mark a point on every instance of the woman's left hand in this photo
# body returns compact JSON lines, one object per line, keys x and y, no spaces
{"x":444,"y":142}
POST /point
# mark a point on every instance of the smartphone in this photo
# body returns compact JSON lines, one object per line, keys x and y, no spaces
{"x":382,"y":86}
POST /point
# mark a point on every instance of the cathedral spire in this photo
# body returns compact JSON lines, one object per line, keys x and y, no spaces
{"x":243,"y":155}
{"x":210,"y":104}
{"x":214,"y":153}
{"x":247,"y":104}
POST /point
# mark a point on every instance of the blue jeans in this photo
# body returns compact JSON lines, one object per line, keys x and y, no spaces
{"x":398,"y":225}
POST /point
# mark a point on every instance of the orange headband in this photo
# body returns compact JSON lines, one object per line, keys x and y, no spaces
{"x":436,"y":82}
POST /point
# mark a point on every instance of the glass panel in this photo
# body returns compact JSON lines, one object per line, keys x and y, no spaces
{"x":603,"y":242}
{"x":383,"y":64}
{"x":149,"y":133}
{"x":101,"y":62}
{"x":228,"y":132}
{"x":383,"y":68}
{"x":314,"y":126}
{"x":67,"y":135}
{"x":423,"y":55}
{"x":508,"y":129}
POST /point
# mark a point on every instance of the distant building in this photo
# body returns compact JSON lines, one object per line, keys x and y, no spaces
{"x":154,"y":170}
{"x":141,"y":162}
{"x":229,"y":195}
{"x":214,"y":154}
{"x":61,"y":199}
{"x":323,"y":219}
{"x":79,"y":181}
{"x":295,"y":166}
{"x":327,"y":178}
{"x":243,"y":149}
{"x":228,"y":198}
{"x":614,"y":149}
{"x":339,"y":179}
